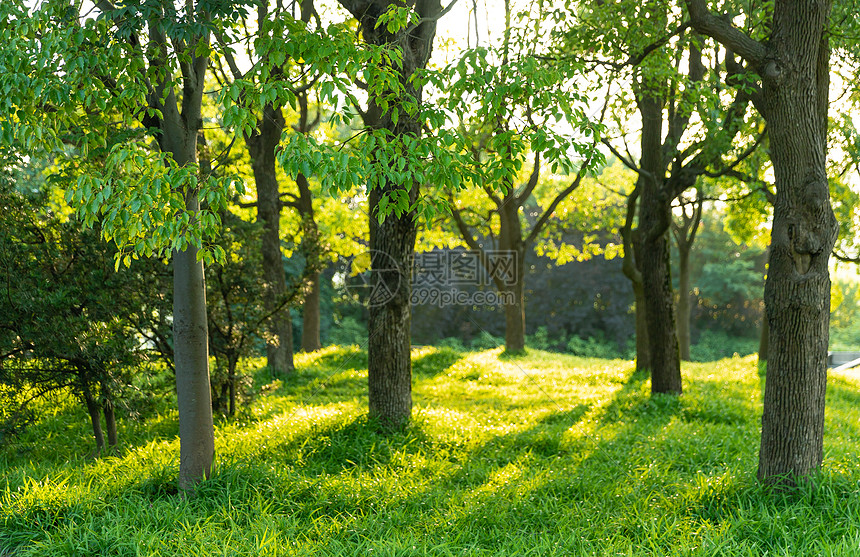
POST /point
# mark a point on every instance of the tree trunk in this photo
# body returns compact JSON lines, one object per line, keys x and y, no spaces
{"x":261,"y":148}
{"x":191,"y":355}
{"x":511,"y":245}
{"x":95,"y":417}
{"x":643,"y":354}
{"x":763,"y":340}
{"x":797,"y":290}
{"x":684,"y":301}
{"x":110,"y":415}
{"x":654,"y":219}
{"x":311,"y":315}
{"x":312,"y":252}
{"x":231,"y":378}
{"x":392,"y":242}
{"x":515,"y":319}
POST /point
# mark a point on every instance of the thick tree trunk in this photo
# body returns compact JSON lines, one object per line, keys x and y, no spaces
{"x":311,"y":315}
{"x":261,"y":148}
{"x":392,"y":242}
{"x":660,"y":317}
{"x":797,"y":291}
{"x":654,"y":220}
{"x":511,"y":244}
{"x":763,"y":341}
{"x":392,"y":245}
{"x":684,"y":302}
{"x":94,"y":411}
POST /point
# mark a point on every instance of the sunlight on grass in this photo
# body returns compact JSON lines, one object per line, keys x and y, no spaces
{"x":536,"y":454}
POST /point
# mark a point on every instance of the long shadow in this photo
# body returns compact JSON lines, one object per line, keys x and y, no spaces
{"x":568,"y":463}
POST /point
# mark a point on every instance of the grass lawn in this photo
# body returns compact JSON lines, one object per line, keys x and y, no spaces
{"x":542,"y":454}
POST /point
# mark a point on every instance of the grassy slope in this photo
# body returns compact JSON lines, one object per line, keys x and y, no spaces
{"x":535,"y":455}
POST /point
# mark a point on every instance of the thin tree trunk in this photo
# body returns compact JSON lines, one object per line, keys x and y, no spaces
{"x":312,"y":252}
{"x":311,"y":315}
{"x":261,"y":148}
{"x":95,"y":417}
{"x":110,"y":415}
{"x":231,"y":377}
{"x":684,"y":295}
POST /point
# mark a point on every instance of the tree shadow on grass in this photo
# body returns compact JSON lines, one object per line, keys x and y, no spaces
{"x":433,"y":362}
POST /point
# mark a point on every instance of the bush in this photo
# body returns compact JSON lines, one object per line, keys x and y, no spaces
{"x":540,"y":340}
{"x":716,"y":345}
{"x":592,"y":347}
{"x":453,"y":343}
{"x":486,"y":341}
{"x":348,"y":332}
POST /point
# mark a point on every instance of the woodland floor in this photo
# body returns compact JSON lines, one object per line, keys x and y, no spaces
{"x":542,"y":454}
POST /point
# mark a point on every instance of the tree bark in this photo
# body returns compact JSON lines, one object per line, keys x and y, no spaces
{"x":392,"y":242}
{"x":511,"y":243}
{"x":191,"y":355}
{"x":311,"y":315}
{"x":261,"y":148}
{"x":794,"y":69}
{"x":763,"y":341}
{"x":94,"y":411}
{"x":390,"y":322}
{"x":654,"y":219}
{"x":643,"y":351}
{"x":797,"y":290}
{"x":312,"y":252}
{"x":110,"y":415}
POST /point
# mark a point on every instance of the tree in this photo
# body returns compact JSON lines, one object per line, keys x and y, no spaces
{"x":392,"y":238}
{"x":787,"y":68}
{"x":509,"y":101}
{"x":684,"y":233}
{"x":107,"y":85}
{"x":60,"y":303}
{"x":262,"y":142}
{"x":675,"y":149}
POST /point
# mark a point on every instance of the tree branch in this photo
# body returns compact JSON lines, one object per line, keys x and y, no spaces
{"x":721,"y":30}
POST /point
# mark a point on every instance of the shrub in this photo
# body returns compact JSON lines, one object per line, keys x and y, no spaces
{"x":716,"y":345}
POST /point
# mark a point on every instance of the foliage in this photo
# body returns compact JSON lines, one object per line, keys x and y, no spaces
{"x":713,"y":345}
{"x":507,"y":456}
{"x":727,"y":278}
{"x":61,"y":304}
{"x":102,"y":101}
{"x":845,"y":315}
{"x":234,"y":300}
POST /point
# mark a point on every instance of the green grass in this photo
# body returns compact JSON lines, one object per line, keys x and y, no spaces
{"x":540,"y":454}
